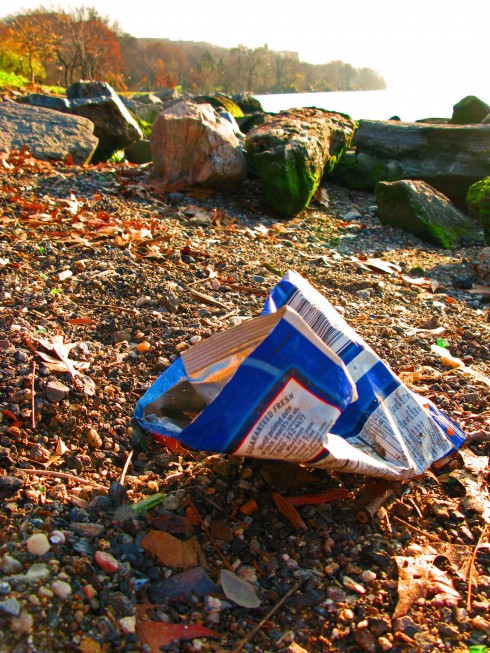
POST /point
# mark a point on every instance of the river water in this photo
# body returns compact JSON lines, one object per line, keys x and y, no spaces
{"x":408,"y":105}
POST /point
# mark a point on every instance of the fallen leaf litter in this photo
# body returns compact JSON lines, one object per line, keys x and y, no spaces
{"x":104,"y":282}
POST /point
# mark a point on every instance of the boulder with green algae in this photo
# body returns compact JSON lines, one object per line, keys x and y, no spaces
{"x":478,"y":201}
{"x":290,"y":152}
{"x":416,"y":207}
{"x":470,"y":110}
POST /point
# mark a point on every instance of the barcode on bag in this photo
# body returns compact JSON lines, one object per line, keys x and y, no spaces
{"x":321,"y":325}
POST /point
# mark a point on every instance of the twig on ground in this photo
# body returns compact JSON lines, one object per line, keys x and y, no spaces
{"x":125,"y":468}
{"x":250,"y":289}
{"x":67,"y":477}
{"x":207,"y":299}
{"x":429,"y":536}
{"x":33,"y":395}
{"x":368,"y":511}
{"x":255,"y":630}
{"x":472,"y":566}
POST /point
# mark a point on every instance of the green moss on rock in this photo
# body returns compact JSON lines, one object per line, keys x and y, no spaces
{"x":221,"y":101}
{"x":416,"y":207}
{"x":478,"y":202}
{"x":363,"y":171}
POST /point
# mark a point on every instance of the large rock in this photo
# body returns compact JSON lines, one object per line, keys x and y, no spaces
{"x":47,"y":101}
{"x":478,"y":201}
{"x":192,"y":145}
{"x":470,"y":110}
{"x":47,"y":134}
{"x":142,"y":110}
{"x":115,"y":128}
{"x":291,"y":151}
{"x":416,"y":207}
{"x":448,"y":157}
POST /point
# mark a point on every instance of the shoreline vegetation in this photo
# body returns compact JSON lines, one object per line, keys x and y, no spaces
{"x":57,"y":48}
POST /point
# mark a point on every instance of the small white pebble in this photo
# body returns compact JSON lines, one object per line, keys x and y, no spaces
{"x":195,"y":339}
{"x":128,"y":625}
{"x":61,"y":588}
{"x":368,"y":576}
{"x":57,"y":537}
{"x":38,"y":544}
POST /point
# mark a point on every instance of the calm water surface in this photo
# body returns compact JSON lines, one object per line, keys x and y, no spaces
{"x":409,"y":105}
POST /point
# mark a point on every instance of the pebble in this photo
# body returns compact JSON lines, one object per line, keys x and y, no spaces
{"x":89,"y":591}
{"x":93,"y":439}
{"x":88,"y":529}
{"x":171,"y":502}
{"x":23,"y":623}
{"x":214,"y":604}
{"x":368,"y":576}
{"x":141,"y":301}
{"x":336,"y":594}
{"x":106,"y":561}
{"x":351,"y":584}
{"x":10,"y":607}
{"x":55,"y":391}
{"x":10,"y":565}
{"x":195,"y":339}
{"x":61,"y":589}
{"x":45,"y":592}
{"x":38,"y":571}
{"x":39,"y":454}
{"x":128,"y":625}
{"x":365,"y":640}
{"x":4,"y":588}
{"x":385,"y":643}
{"x":38,"y":544}
{"x":57,"y":537}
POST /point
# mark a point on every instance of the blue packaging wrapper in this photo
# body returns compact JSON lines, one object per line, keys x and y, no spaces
{"x":297,"y":384}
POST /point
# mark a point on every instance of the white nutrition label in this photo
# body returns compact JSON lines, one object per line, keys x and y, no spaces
{"x":291,"y":427}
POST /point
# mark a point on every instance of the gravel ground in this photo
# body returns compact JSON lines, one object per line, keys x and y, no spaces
{"x":105,"y":281}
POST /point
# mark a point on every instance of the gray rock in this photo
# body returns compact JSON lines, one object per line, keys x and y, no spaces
{"x":406,"y":625}
{"x":10,"y":565}
{"x":139,"y":152}
{"x":448,"y":157}
{"x":55,"y":391}
{"x":11,"y":607}
{"x":114,"y":126}
{"x":47,"y":101}
{"x":416,"y":207}
{"x":47,"y":134}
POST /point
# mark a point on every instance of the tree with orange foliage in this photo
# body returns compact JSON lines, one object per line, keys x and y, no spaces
{"x":31,"y":38}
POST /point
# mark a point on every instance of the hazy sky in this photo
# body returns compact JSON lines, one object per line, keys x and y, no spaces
{"x":419,"y":43}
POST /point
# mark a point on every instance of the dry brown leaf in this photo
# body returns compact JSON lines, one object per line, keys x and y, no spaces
{"x":157,"y":633}
{"x":440,"y":586}
{"x":289,"y":511}
{"x":413,"y":576}
{"x":172,"y":552}
{"x":62,"y":350}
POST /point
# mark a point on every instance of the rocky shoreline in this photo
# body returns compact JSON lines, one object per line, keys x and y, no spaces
{"x":106,"y":279}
